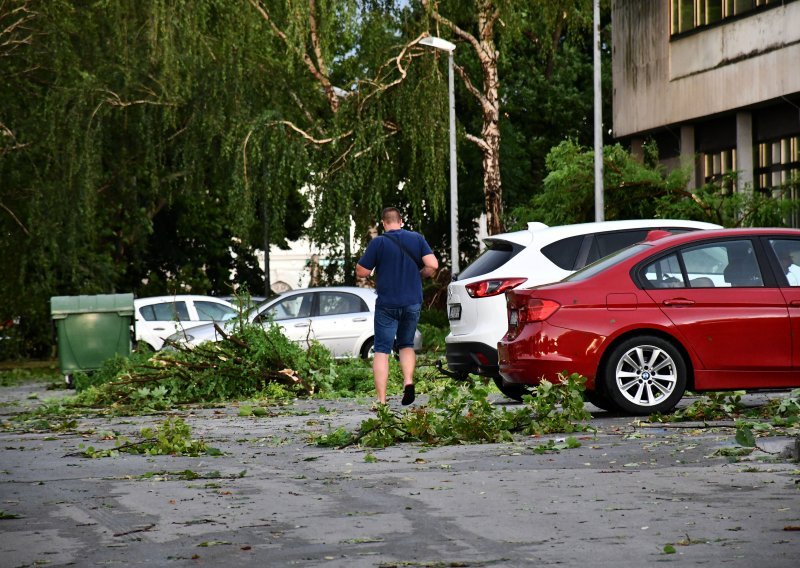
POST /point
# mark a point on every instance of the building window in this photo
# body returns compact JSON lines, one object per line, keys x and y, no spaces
{"x":688,"y":15}
{"x":778,"y":170}
{"x":718,"y":167}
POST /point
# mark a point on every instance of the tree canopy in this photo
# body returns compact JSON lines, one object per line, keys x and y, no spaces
{"x":156,"y":146}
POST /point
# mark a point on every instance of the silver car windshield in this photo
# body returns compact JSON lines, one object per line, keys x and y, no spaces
{"x":606,"y":262}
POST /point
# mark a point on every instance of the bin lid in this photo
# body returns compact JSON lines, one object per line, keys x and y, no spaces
{"x":62,"y":306}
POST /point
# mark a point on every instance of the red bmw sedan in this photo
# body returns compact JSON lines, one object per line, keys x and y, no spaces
{"x":705,"y":311}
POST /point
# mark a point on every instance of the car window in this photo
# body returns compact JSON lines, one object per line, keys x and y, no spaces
{"x":664,"y":273}
{"x":604,"y":244}
{"x":165,"y":311}
{"x":496,"y":255}
{"x":710,"y":265}
{"x":787,"y":251}
{"x":148,"y":314}
{"x":742,"y":267}
{"x":564,"y":253}
{"x":606,"y":262}
{"x":212,"y":311}
{"x":297,"y":306}
{"x":333,"y":303}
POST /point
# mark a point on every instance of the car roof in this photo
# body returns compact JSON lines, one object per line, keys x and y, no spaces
{"x":177,"y":297}
{"x":545,"y":234}
{"x":675,"y":240}
{"x":352,"y":289}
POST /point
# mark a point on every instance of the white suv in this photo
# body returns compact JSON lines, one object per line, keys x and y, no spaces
{"x":476,"y":303}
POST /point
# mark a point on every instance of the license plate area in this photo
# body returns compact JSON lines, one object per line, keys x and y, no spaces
{"x":454,"y":312}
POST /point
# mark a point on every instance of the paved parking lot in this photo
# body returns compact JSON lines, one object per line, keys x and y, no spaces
{"x":274,"y":500}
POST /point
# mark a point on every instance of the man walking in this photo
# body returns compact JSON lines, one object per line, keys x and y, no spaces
{"x":399,"y":258}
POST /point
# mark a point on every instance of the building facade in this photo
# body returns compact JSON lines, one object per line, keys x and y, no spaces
{"x":716,"y":84}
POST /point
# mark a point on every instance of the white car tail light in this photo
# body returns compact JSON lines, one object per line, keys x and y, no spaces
{"x":492,"y":287}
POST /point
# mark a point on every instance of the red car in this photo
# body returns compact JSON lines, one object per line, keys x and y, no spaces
{"x":705,"y":311}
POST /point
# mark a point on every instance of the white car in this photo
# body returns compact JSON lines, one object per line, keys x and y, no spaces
{"x":339,"y":317}
{"x":159,"y":317}
{"x":476,"y":303}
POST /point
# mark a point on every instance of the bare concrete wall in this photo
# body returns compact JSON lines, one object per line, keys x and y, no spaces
{"x":726,"y":67}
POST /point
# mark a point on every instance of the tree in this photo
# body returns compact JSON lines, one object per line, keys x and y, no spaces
{"x":636,"y":190}
{"x":122,"y":133}
{"x":351,"y":113}
{"x":484,"y":26}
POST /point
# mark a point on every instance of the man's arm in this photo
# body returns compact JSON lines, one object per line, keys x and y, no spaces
{"x":430,"y":265}
{"x":362,"y":272}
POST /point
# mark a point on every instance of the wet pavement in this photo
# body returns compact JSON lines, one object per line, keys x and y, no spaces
{"x":628,"y":496}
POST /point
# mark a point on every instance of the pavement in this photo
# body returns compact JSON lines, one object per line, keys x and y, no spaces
{"x":631,"y":495}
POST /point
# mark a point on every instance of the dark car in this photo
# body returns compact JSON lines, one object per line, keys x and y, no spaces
{"x":706,"y":311}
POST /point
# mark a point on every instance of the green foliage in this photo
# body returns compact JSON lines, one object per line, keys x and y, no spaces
{"x":433,"y":338}
{"x":459,"y":413}
{"x":745,"y":437}
{"x":557,"y":407}
{"x":434,"y":317}
{"x":552,"y":446}
{"x":172,"y":437}
{"x":710,"y":406}
{"x":17,"y":376}
{"x":251,"y":361}
{"x":634,"y":190}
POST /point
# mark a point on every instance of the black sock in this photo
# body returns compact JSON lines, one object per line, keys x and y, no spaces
{"x":408,"y":395}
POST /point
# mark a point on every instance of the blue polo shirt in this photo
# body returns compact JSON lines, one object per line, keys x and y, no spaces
{"x":398,"y":281}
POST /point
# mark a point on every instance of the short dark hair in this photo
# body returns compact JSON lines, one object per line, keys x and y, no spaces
{"x":391,"y":215}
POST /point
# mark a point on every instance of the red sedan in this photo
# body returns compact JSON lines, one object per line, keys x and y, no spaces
{"x":705,"y":311}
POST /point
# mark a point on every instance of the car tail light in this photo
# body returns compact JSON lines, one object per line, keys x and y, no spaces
{"x":493,"y":287}
{"x":533,"y":310}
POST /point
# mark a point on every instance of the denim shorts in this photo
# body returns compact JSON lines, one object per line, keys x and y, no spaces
{"x":395,"y":322}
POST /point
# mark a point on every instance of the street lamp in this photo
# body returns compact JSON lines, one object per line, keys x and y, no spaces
{"x":443,"y":44}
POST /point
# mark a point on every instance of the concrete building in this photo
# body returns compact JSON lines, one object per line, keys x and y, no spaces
{"x":716,"y":84}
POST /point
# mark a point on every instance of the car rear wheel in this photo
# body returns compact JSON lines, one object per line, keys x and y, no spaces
{"x":368,"y":349}
{"x":645,"y":374}
{"x":512,"y":390}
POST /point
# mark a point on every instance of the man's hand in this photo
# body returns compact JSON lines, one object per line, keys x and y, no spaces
{"x":431,"y":266}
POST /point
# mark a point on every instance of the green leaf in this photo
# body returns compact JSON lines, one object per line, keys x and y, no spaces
{"x":745,"y":437}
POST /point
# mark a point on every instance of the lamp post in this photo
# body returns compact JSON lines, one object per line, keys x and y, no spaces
{"x":599,"y":200}
{"x":439,"y":43}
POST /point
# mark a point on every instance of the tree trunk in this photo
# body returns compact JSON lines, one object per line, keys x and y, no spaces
{"x":490,"y":132}
{"x":489,"y":141}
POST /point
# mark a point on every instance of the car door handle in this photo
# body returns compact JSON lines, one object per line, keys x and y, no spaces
{"x":359,"y":319}
{"x":795,"y":303}
{"x":301,"y":324}
{"x":678,"y":302}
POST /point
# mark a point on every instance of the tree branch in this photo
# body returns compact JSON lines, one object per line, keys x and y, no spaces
{"x":319,"y":74}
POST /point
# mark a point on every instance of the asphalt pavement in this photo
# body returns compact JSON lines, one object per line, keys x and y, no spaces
{"x":632,"y":494}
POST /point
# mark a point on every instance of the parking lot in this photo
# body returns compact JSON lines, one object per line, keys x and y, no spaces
{"x":634,"y":494}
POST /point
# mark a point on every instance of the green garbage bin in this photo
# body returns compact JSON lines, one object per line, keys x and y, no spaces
{"x":91,"y":329}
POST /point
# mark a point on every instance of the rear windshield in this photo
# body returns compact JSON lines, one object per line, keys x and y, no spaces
{"x":495,"y":256}
{"x":606,"y":262}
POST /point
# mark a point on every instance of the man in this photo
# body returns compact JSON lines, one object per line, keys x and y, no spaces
{"x":784,"y":252}
{"x":399,"y":258}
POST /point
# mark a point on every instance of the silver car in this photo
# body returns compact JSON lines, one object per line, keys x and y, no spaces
{"x":338,"y":317}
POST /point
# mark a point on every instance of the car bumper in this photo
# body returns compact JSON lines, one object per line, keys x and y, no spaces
{"x":472,"y":357}
{"x":543,"y":351}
